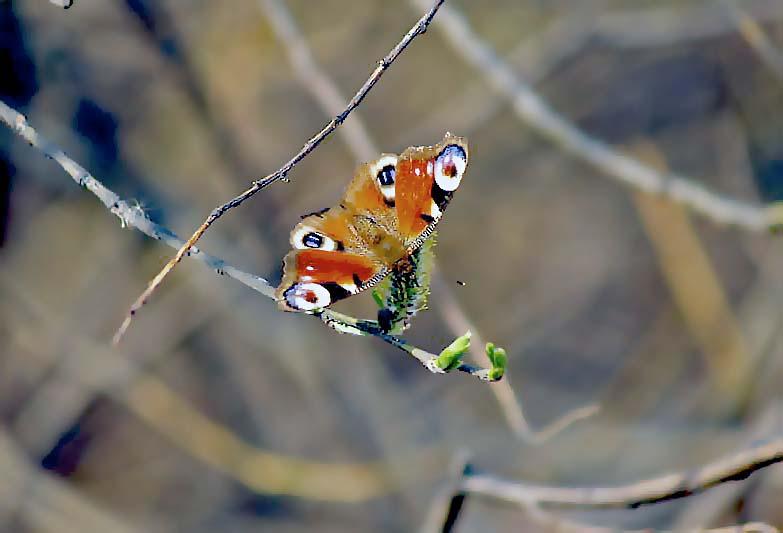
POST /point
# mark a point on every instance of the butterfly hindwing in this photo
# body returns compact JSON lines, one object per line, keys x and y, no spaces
{"x":315,"y":279}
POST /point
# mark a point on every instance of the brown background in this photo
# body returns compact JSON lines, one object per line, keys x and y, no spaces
{"x":599,"y":293}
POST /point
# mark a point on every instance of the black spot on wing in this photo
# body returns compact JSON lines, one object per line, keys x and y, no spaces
{"x":429,"y":219}
{"x":386,"y":176}
{"x":313,"y":240}
{"x":336,"y":291}
{"x":357,"y":280}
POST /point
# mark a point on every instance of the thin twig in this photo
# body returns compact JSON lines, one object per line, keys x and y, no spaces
{"x":734,"y":467}
{"x":418,"y":28}
{"x":347,"y":324}
{"x":537,"y":114}
{"x":131,"y":216}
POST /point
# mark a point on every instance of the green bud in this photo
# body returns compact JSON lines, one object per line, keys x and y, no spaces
{"x":451,"y":356}
{"x":498,"y":358}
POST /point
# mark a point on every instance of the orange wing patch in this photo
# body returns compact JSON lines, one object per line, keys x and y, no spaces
{"x":363,"y":192}
{"x":319,"y":266}
{"x":414,"y":195}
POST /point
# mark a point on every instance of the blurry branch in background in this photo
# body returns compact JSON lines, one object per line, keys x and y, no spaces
{"x":133,"y":216}
{"x":757,"y":38}
{"x":536,"y":57}
{"x":695,"y":287}
{"x":262,"y":471}
{"x":316,"y":80}
{"x":537,"y":114}
{"x":281,"y":174}
{"x":323,"y":89}
{"x":446,"y":508}
{"x":734,"y":467}
{"x":458,"y":321}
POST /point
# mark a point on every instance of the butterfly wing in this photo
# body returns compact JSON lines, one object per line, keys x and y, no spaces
{"x":315,"y":279}
{"x":426,"y":178}
{"x":329,"y":262}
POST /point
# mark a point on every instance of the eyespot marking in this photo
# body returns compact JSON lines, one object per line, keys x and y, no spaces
{"x":384,"y":171}
{"x":450,"y":166}
{"x":313,"y":240}
{"x":306,"y":237}
{"x":307,"y":296}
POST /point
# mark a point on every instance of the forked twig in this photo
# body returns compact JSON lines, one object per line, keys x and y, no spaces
{"x":417,"y":29}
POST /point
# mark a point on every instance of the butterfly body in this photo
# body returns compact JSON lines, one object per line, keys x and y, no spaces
{"x":389,"y":210}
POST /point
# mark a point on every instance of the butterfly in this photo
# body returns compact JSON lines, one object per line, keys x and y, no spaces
{"x":390,"y":209}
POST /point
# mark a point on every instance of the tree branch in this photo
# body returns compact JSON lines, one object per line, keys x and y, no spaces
{"x":733,"y":467}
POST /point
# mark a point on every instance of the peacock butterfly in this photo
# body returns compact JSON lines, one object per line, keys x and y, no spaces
{"x":390,"y":209}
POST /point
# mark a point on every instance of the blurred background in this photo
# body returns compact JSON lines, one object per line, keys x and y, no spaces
{"x":220,"y":413}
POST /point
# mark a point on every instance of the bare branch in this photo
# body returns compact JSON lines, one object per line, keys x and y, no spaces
{"x":734,"y":467}
{"x":128,"y":214}
{"x":537,"y":114}
{"x":280,"y":174}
